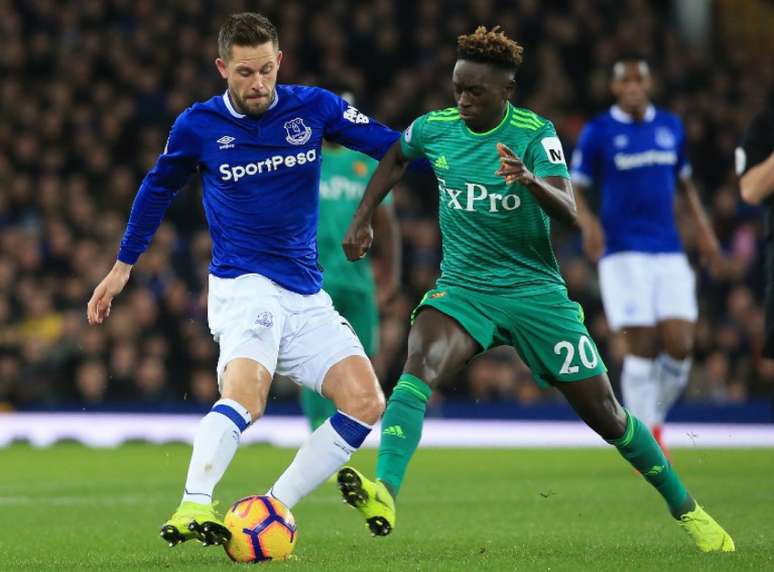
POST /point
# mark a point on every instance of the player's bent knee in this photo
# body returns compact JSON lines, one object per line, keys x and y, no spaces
{"x":678,"y":338}
{"x":425,"y":368}
{"x":247,"y":382}
{"x":641,"y":341}
{"x":352,"y":386}
{"x":367,"y":409}
{"x":606,"y":417}
{"x":610,"y":420}
{"x":250,"y":402}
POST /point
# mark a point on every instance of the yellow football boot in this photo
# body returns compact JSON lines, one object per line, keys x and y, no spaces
{"x":194,"y":520}
{"x":370,"y":498}
{"x":708,"y":535}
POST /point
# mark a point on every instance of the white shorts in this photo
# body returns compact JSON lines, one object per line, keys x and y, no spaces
{"x":292,"y":335}
{"x":642,"y":289}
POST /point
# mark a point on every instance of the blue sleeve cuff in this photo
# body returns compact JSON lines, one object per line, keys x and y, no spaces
{"x":127,"y":256}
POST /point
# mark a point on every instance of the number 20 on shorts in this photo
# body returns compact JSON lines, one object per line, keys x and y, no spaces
{"x":588,"y":356}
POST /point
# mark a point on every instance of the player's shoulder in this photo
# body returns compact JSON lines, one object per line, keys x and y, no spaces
{"x":433,"y":125}
{"x":319,"y":102}
{"x":309,"y":97}
{"x":601,"y":119}
{"x":305,"y":93}
{"x":531,"y":120}
{"x":600,"y":122}
{"x":528,"y":124}
{"x":444,"y":114}
{"x":666,"y":117}
{"x":201,"y":114}
{"x":440,"y":119}
{"x":599,"y":128}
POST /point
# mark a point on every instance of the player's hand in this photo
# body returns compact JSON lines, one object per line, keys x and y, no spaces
{"x":711,"y":255}
{"x":512,"y":168}
{"x":358,"y":239}
{"x":102,"y":298}
{"x":593,"y":238}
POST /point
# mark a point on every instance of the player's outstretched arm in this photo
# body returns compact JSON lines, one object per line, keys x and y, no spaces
{"x":99,"y":305}
{"x":757,"y":184}
{"x":171,"y":172}
{"x":709,"y":247}
{"x":554,"y":194}
{"x":360,"y":234}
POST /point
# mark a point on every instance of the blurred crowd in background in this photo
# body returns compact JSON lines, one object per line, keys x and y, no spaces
{"x":88,"y":91}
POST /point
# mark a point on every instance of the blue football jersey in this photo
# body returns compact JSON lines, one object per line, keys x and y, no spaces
{"x":260,"y":179}
{"x":635,"y":164}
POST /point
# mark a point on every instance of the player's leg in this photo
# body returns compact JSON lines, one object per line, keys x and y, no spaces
{"x":352,"y":386}
{"x":360,"y":310}
{"x":628,"y":282}
{"x":247,"y":322}
{"x":676,"y":312}
{"x":438,"y":347}
{"x":549,"y":334}
{"x":595,"y":403}
{"x":322,"y":352}
{"x":640,"y":387}
{"x":316,"y":407}
{"x":673,"y":367}
{"x":245,"y":386}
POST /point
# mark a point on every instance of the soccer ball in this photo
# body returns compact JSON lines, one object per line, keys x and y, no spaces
{"x":262,"y":528}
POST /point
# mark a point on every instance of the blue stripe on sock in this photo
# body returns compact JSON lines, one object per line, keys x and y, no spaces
{"x":351,"y":431}
{"x":232,"y":414}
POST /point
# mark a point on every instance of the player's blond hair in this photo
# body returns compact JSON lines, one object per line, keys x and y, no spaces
{"x":490,"y":47}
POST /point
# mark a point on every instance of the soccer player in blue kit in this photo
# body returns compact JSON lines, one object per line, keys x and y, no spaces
{"x":257,"y":149}
{"x":635,"y":153}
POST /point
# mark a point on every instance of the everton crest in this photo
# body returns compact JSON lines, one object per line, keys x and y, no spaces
{"x":665,"y":138}
{"x":265,"y":319}
{"x":297,"y":132}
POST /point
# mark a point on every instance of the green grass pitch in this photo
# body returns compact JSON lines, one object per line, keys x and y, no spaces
{"x":73,"y":508}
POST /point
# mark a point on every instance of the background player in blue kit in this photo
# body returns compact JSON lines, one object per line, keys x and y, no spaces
{"x":257,"y":149}
{"x":635,"y":153}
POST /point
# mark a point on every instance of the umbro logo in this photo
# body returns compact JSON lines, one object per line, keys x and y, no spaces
{"x":440,"y":163}
{"x":226,"y":142}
